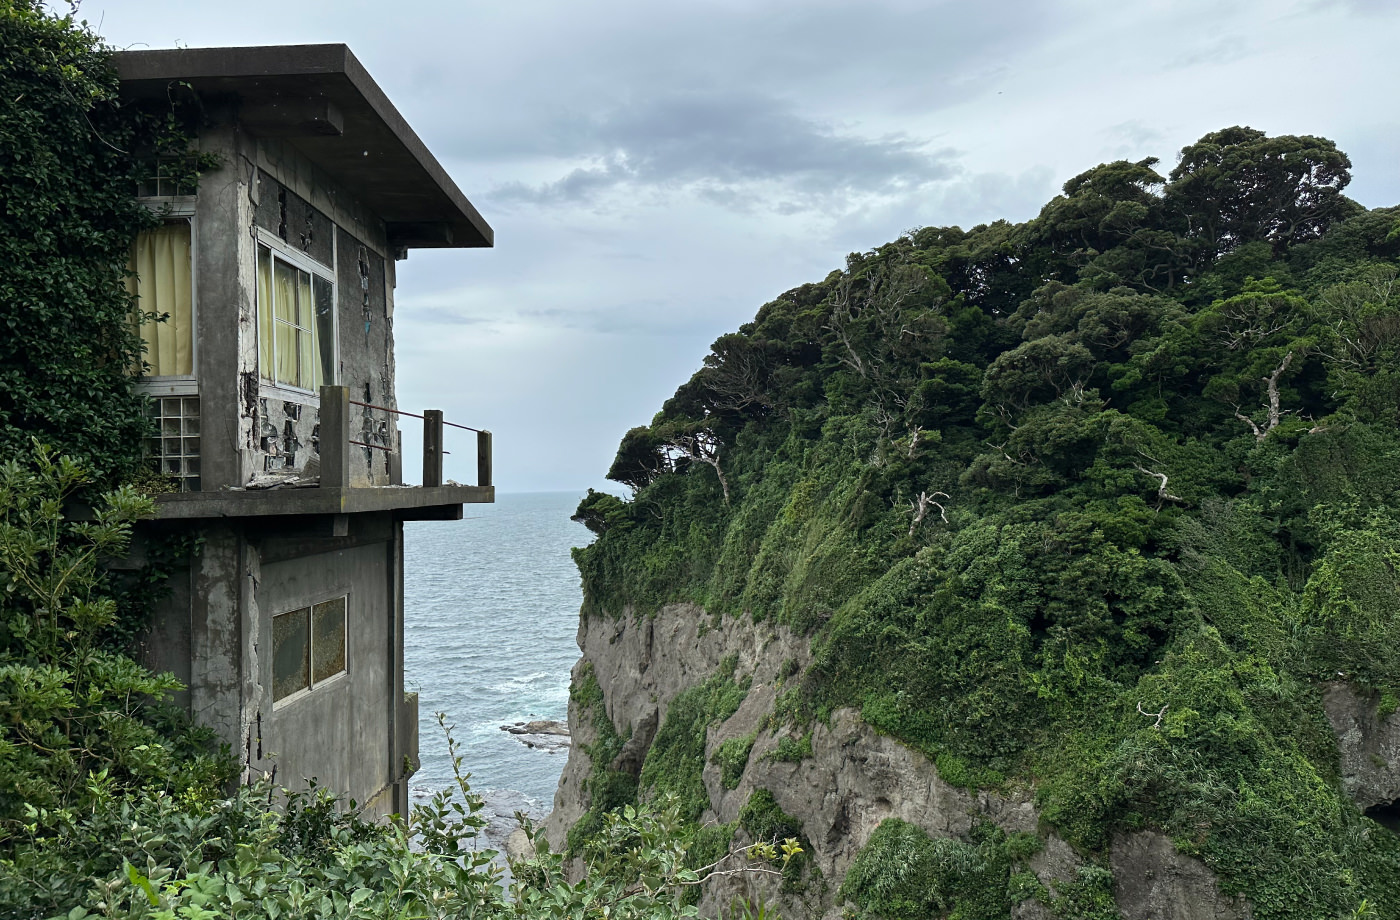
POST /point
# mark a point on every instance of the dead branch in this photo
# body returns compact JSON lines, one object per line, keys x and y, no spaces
{"x":702,"y":447}
{"x":1160,"y":714}
{"x":1162,"y":494}
{"x":1275,"y":413}
{"x":921,"y":505}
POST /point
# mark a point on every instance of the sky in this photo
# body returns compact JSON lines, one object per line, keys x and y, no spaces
{"x":657,"y":171}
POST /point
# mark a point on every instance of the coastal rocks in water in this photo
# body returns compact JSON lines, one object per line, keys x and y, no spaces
{"x":548,"y":735}
{"x":518,"y":845}
{"x":538,"y":727}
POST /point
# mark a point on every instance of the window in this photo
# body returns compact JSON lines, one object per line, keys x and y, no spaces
{"x":308,"y":647}
{"x":167,"y":176}
{"x":296,"y":323}
{"x":175,"y":447}
{"x":160,"y":263}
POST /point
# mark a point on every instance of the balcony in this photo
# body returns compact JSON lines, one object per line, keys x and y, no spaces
{"x":332,"y":494}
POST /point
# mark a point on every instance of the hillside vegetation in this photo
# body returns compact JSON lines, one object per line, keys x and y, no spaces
{"x":1097,"y":501}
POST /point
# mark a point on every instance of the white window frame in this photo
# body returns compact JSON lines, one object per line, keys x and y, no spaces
{"x":299,"y":260}
{"x":172,"y":209}
{"x":312,"y":684}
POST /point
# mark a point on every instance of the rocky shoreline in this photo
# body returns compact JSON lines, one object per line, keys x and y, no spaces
{"x":548,"y":735}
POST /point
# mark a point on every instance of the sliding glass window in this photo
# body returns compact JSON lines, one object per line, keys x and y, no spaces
{"x":296,"y":323}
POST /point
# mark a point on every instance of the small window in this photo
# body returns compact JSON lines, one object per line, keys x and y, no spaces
{"x":161,"y":279}
{"x":175,"y":447}
{"x":308,"y":647}
{"x":167,"y":176}
{"x":296,"y":323}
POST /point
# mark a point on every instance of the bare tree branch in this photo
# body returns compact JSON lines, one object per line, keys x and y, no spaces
{"x":1160,"y":714}
{"x":703,"y":447}
{"x":921,"y":505}
{"x":1162,"y":494}
{"x":1274,"y":412}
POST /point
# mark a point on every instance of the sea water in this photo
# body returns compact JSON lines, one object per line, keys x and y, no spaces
{"x":491,"y":608}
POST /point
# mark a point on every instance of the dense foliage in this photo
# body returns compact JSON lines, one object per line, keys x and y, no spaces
{"x":1098,"y":500}
{"x":67,"y":176}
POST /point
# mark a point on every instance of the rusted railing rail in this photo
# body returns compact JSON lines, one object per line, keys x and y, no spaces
{"x":335,"y":440}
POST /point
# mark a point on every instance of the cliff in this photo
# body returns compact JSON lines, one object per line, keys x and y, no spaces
{"x":1035,"y":570}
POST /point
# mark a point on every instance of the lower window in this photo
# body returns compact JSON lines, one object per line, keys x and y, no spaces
{"x":308,"y":647}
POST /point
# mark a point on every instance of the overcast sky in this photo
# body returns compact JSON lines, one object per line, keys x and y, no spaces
{"x":656,"y":171}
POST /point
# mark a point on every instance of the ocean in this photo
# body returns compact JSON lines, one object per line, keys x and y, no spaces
{"x":491,"y":608}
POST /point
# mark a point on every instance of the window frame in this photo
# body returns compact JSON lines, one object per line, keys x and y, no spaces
{"x":267,"y":376}
{"x":312,"y":684}
{"x":171,"y":210}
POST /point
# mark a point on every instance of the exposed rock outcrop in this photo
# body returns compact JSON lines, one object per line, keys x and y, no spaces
{"x":1370,"y":751}
{"x":853,"y":779}
{"x":1153,"y":881}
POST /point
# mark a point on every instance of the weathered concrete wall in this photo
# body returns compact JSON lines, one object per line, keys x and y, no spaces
{"x":214,"y":632}
{"x":365,"y":317}
{"x":299,"y":205}
{"x":341,"y":732}
{"x":225,"y":305}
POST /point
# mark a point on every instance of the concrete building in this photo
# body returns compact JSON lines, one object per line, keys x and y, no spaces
{"x":272,"y":384}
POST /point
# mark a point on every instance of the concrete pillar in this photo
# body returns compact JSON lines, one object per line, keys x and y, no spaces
{"x":335,"y":437}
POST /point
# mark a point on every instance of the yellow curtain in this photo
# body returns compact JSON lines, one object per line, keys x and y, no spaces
{"x":161,"y":260}
{"x":289,"y":346}
{"x":284,"y":309}
{"x":265,"y":311}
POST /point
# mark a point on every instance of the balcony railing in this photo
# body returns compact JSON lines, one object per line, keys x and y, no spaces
{"x":335,"y":441}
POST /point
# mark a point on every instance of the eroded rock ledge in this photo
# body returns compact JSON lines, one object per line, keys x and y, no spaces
{"x":854,"y":779}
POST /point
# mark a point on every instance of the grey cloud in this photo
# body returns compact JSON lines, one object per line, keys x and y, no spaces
{"x":849,"y":58}
{"x":718,"y":143}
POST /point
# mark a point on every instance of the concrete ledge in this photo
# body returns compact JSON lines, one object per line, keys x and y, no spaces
{"x":413,"y":502}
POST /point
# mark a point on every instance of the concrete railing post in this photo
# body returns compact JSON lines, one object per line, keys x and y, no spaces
{"x":335,"y":437}
{"x":396,"y":460}
{"x":432,"y":447}
{"x":483,"y":458}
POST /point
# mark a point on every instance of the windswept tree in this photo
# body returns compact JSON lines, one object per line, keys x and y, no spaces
{"x":1239,"y":185}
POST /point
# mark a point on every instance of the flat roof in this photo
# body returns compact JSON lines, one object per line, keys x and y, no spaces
{"x":356,"y":135}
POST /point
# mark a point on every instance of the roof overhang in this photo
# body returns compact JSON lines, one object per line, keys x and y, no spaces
{"x":321,"y":100}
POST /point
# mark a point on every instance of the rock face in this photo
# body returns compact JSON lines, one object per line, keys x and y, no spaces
{"x":1152,"y":881}
{"x":1370,"y":751}
{"x":854,"y":778}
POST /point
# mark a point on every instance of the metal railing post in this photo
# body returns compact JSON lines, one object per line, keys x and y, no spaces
{"x":335,"y":437}
{"x":483,"y":458}
{"x":432,"y":447}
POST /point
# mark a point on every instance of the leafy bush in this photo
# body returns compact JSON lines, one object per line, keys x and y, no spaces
{"x":903,"y":874}
{"x":732,"y":757}
{"x":78,"y":719}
